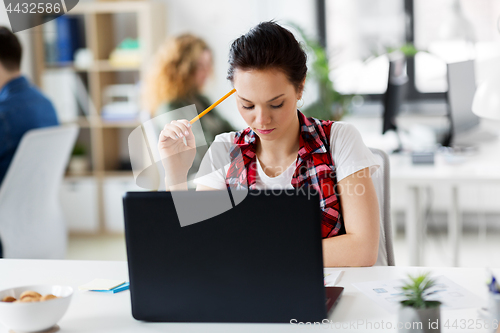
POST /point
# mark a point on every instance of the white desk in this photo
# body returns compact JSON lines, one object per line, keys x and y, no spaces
{"x":484,"y":168}
{"x":108,"y":313}
{"x":481,"y":168}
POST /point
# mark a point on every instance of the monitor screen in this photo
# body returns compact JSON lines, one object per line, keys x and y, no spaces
{"x":395,"y":93}
{"x":461,"y":90}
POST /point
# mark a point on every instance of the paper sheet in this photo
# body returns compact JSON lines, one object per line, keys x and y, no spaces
{"x":332,"y":276}
{"x":388,"y":294}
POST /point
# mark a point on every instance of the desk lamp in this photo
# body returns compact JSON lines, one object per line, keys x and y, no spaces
{"x":486,"y":102}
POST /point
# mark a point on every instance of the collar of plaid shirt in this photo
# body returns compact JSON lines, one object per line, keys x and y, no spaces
{"x":314,"y":168}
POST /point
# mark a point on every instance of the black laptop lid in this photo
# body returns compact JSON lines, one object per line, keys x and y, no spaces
{"x":258,"y":262}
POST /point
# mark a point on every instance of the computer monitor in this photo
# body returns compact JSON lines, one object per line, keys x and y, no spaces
{"x":395,"y":93}
{"x":461,"y":90}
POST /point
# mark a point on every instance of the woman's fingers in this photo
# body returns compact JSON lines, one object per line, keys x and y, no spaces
{"x":188,"y":133}
{"x":167,"y":133}
{"x":180,"y":127}
{"x":177,"y":129}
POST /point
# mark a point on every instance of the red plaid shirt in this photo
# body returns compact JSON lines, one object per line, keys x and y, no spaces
{"x":314,"y":167}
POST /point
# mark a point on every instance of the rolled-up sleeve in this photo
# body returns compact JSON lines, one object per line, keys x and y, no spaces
{"x":349,"y":152}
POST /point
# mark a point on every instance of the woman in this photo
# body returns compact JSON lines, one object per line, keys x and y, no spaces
{"x":283,"y":148}
{"x":179,"y":72}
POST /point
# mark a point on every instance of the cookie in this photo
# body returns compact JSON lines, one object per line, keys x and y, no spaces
{"x":29,"y":299}
{"x":30,"y":293}
{"x":48,"y":297}
{"x":8,"y":299}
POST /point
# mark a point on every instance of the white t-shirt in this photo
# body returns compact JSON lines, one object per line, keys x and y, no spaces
{"x":349,"y":154}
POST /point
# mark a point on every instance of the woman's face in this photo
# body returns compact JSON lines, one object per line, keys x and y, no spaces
{"x":267,"y":101}
{"x":203,"y":68}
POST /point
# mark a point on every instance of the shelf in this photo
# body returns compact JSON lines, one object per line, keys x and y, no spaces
{"x":69,"y":65}
{"x":86,"y":175}
{"x":98,"y":66}
{"x":81,"y":121}
{"x":106,"y":141}
{"x":106,"y":66}
{"x":118,"y":173}
{"x":119,"y":124}
{"x":59,"y":65}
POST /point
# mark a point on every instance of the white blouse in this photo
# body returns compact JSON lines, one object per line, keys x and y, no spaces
{"x":349,"y":154}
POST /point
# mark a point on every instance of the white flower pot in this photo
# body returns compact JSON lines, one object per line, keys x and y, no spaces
{"x":419,"y":320}
{"x":78,"y":165}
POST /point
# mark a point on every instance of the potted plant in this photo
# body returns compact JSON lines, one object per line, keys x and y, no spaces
{"x":417,"y":313}
{"x":331,"y":105}
{"x":78,"y":164}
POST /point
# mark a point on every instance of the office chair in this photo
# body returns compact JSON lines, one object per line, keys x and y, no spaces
{"x":32,"y":225}
{"x":382,"y":186}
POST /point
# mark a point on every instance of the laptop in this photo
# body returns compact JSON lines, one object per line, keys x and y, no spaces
{"x":258,"y":262}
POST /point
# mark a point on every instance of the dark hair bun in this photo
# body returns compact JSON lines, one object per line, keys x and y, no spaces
{"x":269,"y":46}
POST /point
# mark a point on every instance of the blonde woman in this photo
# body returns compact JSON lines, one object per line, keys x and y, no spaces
{"x":179,"y":72}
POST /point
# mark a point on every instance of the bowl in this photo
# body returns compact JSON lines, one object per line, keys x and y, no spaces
{"x":35,"y":316}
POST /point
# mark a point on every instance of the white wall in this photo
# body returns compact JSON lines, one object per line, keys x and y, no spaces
{"x":219,"y":22}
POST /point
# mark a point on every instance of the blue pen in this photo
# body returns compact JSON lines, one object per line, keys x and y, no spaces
{"x":493,"y":285}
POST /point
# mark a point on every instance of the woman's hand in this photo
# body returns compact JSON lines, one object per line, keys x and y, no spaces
{"x":176,"y":156}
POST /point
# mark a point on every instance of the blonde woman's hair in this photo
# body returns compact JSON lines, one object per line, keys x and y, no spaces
{"x":172,"y":75}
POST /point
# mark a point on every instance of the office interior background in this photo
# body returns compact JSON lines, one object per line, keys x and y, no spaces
{"x":357,"y":36}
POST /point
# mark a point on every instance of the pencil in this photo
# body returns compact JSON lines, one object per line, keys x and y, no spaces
{"x":212,"y":106}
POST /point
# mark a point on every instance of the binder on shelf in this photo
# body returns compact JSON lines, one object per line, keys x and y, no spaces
{"x":68,"y":38}
{"x":83,"y":97}
{"x":49,"y":30}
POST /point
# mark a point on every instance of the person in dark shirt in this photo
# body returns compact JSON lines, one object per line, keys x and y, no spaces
{"x":22,"y":106}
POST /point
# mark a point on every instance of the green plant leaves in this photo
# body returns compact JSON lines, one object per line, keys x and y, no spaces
{"x":416,"y":292}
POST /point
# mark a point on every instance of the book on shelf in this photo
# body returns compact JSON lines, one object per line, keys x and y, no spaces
{"x":61,"y":39}
{"x":49,"y":30}
{"x":59,"y":84}
{"x":121,"y":103}
{"x":68,"y":39}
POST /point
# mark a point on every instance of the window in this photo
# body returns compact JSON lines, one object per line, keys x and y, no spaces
{"x":358,"y":31}
{"x":454,"y":31}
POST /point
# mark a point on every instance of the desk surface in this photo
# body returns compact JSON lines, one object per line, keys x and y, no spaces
{"x":482,"y":165}
{"x":98,"y":312}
